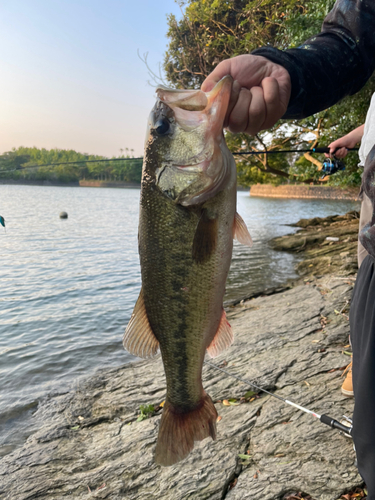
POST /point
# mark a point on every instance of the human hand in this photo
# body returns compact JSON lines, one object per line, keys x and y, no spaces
{"x":260,"y":92}
{"x":340,"y":147}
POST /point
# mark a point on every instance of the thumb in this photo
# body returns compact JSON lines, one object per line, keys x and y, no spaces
{"x":221,"y":70}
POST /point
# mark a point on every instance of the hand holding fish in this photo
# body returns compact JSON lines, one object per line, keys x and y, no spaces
{"x":260,"y":92}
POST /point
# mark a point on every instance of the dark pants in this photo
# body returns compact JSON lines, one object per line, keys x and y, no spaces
{"x":362,"y":335}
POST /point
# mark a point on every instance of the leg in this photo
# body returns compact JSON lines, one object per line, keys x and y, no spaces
{"x":365,"y":218}
{"x":362,"y":334}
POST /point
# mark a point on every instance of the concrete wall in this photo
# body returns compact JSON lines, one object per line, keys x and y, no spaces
{"x":304,"y":191}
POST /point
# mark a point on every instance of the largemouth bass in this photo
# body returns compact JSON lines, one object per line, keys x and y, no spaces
{"x":186,"y":227}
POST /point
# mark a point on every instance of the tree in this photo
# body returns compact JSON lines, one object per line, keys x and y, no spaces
{"x":14,"y":165}
{"x":212,"y":30}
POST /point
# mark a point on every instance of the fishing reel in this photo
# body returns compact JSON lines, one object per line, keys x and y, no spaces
{"x":331,"y":166}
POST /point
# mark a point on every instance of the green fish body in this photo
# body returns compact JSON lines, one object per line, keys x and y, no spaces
{"x":186,"y":229}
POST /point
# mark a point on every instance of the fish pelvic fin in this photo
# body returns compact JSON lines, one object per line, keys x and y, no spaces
{"x":223,"y":338}
{"x":205,"y":238}
{"x":178,"y":431}
{"x":139,"y":339}
{"x":240,"y":231}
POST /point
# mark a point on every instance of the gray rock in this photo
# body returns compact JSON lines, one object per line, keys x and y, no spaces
{"x":90,"y":445}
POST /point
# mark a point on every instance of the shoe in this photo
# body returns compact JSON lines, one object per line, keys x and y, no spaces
{"x":347,"y":386}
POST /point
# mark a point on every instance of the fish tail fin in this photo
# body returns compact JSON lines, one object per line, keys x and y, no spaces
{"x":178,"y":431}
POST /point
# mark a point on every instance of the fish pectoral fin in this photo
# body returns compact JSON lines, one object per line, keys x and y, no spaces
{"x":240,"y":231}
{"x":139,"y":339}
{"x":223,"y":338}
{"x":205,"y":238}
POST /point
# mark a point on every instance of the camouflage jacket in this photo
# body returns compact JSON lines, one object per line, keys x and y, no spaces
{"x":333,"y":64}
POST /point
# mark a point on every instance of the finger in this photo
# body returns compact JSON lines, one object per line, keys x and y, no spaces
{"x":274,"y":109}
{"x":341,"y":153}
{"x":221,"y":70}
{"x":257,"y":111}
{"x":332,"y":149}
{"x":232,"y":101}
{"x":239,"y":116}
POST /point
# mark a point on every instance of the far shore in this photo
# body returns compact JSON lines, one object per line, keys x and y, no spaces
{"x":289,"y":191}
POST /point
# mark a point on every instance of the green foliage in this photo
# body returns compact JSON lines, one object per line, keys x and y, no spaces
{"x":301,"y":22}
{"x":146,"y":412}
{"x":213,"y":30}
{"x":13,"y":165}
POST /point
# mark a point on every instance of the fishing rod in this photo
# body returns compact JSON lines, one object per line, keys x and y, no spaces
{"x":330,"y":165}
{"x":325,"y":419}
{"x":313,"y":150}
{"x":274,"y":151}
{"x":67,"y":163}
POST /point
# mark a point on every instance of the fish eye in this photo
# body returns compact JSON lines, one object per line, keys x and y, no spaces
{"x":162,"y":126}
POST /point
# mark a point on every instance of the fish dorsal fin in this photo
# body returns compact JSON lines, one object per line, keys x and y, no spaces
{"x":240,"y":231}
{"x":223,"y":338}
{"x":139,"y":339}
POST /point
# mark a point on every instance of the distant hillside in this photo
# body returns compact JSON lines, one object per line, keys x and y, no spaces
{"x":14,"y":166}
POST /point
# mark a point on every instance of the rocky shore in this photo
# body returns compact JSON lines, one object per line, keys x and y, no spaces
{"x":98,"y":441}
{"x":304,"y":191}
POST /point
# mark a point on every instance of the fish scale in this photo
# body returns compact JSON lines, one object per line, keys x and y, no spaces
{"x":177,"y":294}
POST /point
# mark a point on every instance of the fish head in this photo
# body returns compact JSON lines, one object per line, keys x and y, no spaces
{"x":186,"y":155}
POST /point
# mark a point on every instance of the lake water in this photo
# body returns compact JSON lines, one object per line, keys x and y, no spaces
{"x":68,"y":287}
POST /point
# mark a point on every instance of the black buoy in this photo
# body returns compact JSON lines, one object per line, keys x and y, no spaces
{"x":63,"y":215}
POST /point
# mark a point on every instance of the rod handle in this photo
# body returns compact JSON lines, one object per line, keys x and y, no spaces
{"x":320,"y":150}
{"x":325,"y":419}
{"x":326,"y":150}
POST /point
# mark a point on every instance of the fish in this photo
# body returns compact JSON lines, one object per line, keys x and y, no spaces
{"x":187,"y":223}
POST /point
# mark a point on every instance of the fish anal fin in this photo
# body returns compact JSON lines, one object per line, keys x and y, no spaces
{"x":178,"y":431}
{"x":139,"y":339}
{"x":223,"y":338}
{"x":240,"y":231}
{"x":205,"y":238}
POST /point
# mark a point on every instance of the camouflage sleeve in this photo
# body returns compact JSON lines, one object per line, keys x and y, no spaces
{"x":333,"y":64}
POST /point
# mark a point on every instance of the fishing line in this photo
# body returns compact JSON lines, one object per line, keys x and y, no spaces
{"x":325,"y":419}
{"x":67,"y":163}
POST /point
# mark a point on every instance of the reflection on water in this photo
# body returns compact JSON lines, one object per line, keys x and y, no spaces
{"x":68,"y":287}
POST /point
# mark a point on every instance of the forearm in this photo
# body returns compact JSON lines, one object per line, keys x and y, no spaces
{"x":355,"y":136}
{"x":333,"y":64}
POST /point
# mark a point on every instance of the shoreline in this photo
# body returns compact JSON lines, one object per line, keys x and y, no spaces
{"x":289,"y":340}
{"x":288,"y":191}
{"x":304,"y":191}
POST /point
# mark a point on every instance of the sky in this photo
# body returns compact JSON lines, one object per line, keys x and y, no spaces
{"x":70,"y":75}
